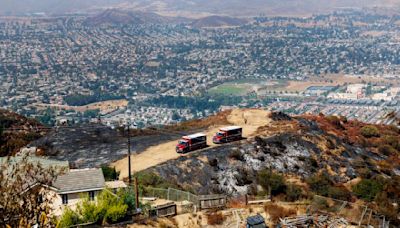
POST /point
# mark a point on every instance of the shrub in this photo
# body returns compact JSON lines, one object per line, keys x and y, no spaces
{"x":392,"y":141}
{"x":275,"y":212}
{"x":213,"y":162}
{"x":89,"y":211}
{"x":339,"y":193}
{"x":334,"y":120}
{"x":115,"y":213}
{"x":237,"y":155}
{"x":152,"y":179}
{"x":386,"y":150}
{"x":364,"y":172}
{"x":293,"y":192}
{"x":268,"y":179}
{"x":320,"y":184}
{"x":68,"y":218}
{"x":387,"y":208}
{"x":321,"y":203}
{"x":369,"y":131}
{"x":107,"y":208}
{"x":109,"y":173}
{"x":313,"y":163}
{"x":215,"y":218}
{"x":367,"y":189}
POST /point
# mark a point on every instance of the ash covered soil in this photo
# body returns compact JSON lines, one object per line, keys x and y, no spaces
{"x":297,"y":147}
{"x":94,"y":145}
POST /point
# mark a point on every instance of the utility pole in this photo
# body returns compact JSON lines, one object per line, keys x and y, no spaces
{"x":129,"y":169}
{"x":129,"y":156}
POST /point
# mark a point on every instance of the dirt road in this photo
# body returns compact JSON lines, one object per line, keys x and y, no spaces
{"x":249,"y":119}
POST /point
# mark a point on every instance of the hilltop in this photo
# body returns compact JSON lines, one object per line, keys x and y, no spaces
{"x":116,"y":16}
{"x":218,"y":21}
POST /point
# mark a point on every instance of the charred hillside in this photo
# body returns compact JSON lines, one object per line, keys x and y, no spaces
{"x":17,"y":131}
{"x":296,"y":158}
{"x":299,"y":146}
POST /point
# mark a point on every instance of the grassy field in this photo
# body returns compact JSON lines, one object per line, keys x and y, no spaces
{"x":230,"y":89}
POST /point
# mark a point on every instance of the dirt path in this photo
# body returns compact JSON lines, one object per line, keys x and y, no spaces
{"x":249,"y":119}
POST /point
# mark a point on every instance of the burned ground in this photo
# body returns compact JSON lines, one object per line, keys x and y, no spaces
{"x":94,"y":145}
{"x":303,"y":151}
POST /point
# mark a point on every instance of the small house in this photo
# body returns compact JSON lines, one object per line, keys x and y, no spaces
{"x":72,"y":187}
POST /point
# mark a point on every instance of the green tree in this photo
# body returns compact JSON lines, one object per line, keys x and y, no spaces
{"x":110,"y":173}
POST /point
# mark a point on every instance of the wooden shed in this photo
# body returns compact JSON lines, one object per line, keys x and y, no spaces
{"x":211,"y":201}
{"x":164,"y":210}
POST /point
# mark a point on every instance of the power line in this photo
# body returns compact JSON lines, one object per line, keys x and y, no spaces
{"x":150,"y":128}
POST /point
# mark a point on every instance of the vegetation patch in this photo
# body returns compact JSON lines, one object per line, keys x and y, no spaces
{"x":12,"y":134}
{"x":230,"y":89}
{"x":108,"y":208}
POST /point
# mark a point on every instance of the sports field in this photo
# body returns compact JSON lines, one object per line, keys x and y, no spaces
{"x":232,"y":89}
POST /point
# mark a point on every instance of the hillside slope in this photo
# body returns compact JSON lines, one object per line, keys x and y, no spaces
{"x":302,"y":147}
{"x":17,"y":131}
{"x":323,"y":155}
{"x":218,"y":21}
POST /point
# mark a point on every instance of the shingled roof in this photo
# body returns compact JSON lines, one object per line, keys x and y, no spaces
{"x":81,"y":180}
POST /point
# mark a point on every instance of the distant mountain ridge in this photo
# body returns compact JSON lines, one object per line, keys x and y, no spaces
{"x":220,"y":7}
{"x":115,"y":16}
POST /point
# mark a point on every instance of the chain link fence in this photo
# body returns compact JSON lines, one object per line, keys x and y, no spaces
{"x":169,"y":194}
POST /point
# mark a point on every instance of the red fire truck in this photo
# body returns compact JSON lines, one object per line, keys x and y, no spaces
{"x":191,"y":142}
{"x":228,"y":134}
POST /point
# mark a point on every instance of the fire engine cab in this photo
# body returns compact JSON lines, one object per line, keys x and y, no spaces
{"x":228,"y":134}
{"x":191,"y":142}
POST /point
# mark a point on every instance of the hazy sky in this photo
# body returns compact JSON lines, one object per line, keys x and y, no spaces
{"x":211,"y":6}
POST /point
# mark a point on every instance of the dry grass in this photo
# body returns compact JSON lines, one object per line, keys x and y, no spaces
{"x":215,"y":218}
{"x":275,"y":212}
{"x":218,"y":119}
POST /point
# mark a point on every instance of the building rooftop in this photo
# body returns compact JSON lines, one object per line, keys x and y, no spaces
{"x":80,"y":180}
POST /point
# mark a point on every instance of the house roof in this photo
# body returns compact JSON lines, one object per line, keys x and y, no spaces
{"x":80,"y":180}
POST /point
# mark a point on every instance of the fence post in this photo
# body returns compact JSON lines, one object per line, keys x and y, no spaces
{"x":168,"y":194}
{"x":362,"y":216}
{"x":188,"y":196}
